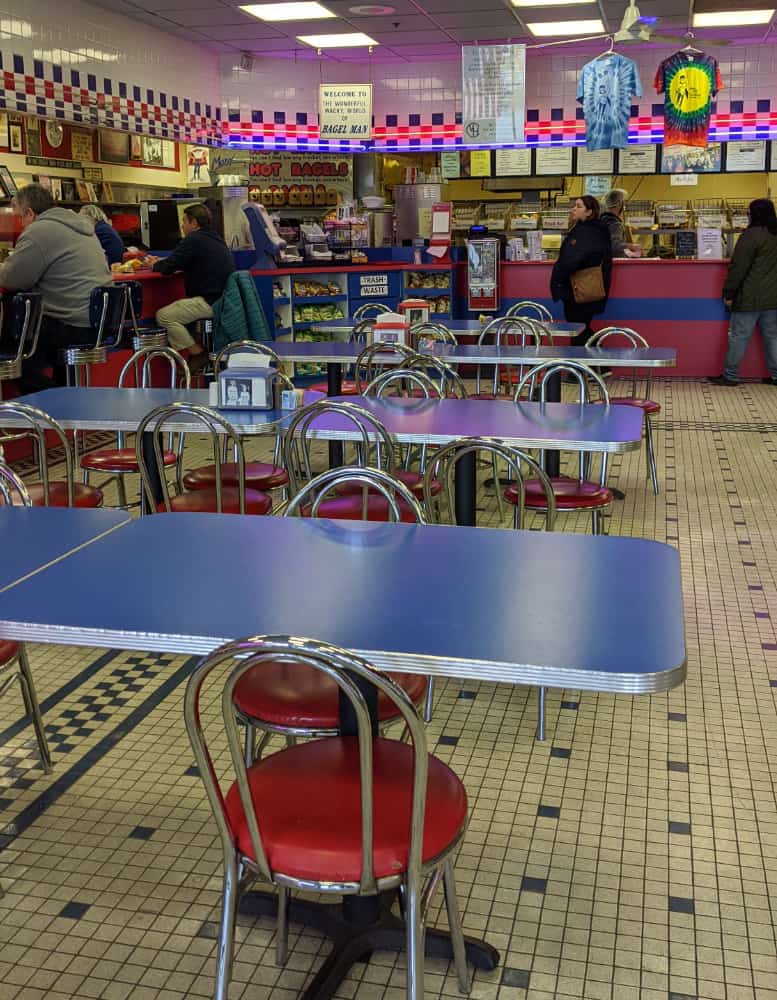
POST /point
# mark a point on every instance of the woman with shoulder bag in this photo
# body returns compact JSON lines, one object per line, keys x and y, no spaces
{"x":750,"y":292}
{"x":581,"y":275}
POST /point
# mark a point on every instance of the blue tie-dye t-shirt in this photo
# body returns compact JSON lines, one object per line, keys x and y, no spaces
{"x":605,"y":89}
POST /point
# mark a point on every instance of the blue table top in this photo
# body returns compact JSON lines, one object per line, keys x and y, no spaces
{"x":559,"y":328}
{"x":525,"y":425}
{"x":555,"y":609}
{"x":33,"y":537}
{"x":346,"y":352}
{"x":122,"y":409}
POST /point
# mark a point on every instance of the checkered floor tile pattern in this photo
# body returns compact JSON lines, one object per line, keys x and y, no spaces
{"x":629,"y":857}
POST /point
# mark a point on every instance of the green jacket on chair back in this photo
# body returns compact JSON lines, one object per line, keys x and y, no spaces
{"x":238,"y":314}
{"x":751,"y":283}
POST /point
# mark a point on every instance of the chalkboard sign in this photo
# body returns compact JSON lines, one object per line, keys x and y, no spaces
{"x":686,"y":245}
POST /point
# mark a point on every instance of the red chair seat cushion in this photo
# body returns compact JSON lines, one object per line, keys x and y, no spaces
{"x":413,"y":480}
{"x":118,"y":460}
{"x":349,"y":388}
{"x":258,"y":475}
{"x":490,"y":395}
{"x":308,"y":801}
{"x":646,"y":405}
{"x":9,"y":649}
{"x":298,"y":696}
{"x":204,"y":502}
{"x":570,"y":494}
{"x":349,"y":508}
{"x":83,"y":496}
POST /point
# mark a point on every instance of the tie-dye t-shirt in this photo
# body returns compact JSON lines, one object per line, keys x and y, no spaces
{"x":605,"y":88}
{"x":689,"y":81}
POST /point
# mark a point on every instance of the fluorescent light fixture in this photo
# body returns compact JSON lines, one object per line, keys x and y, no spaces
{"x":732,"y":18}
{"x":305,"y":10}
{"x":550,"y":3}
{"x":347,"y":40}
{"x":547,"y":29}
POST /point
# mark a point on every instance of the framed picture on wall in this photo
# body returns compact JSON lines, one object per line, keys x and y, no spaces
{"x":152,"y":154}
{"x":638,"y":159}
{"x":15,"y":141}
{"x":7,"y":182}
{"x":746,"y":157}
{"x":3,"y":130}
{"x":692,"y":159}
{"x":168,"y":154}
{"x":114,"y":147}
{"x":82,"y":147}
{"x":33,"y":139}
{"x":56,"y":188}
{"x":136,"y":147}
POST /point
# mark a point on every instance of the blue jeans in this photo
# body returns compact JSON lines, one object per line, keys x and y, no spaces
{"x":739,"y":333}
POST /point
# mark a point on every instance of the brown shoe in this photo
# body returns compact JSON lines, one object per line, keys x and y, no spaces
{"x":197,"y":362}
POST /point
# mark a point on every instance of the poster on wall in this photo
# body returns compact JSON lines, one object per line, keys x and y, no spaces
{"x":3,"y":130}
{"x":742,"y":157}
{"x":597,"y":184}
{"x":450,"y":165}
{"x":493,"y":87}
{"x":290,"y":179}
{"x":599,"y":161}
{"x":197,"y":166}
{"x":15,"y":139}
{"x":553,"y":161}
{"x":480,"y":163}
{"x":345,"y":110}
{"x":691,"y":159}
{"x":113,"y":147}
{"x":513,"y":163}
{"x":638,"y":160}
{"x":81,"y":148}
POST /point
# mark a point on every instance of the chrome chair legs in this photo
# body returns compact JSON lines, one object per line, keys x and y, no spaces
{"x":651,"y":455}
{"x":541,"y":692}
{"x":454,"y":923}
{"x":18,"y":667}
{"x":282,"y":926}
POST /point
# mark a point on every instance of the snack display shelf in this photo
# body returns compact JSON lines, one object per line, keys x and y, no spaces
{"x":314,"y":300}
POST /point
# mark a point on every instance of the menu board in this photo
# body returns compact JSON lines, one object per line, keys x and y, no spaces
{"x":554,"y":161}
{"x":513,"y":163}
{"x":599,"y":161}
{"x":638,"y":160}
{"x":450,"y":164}
{"x":685,"y":244}
{"x":745,"y":156}
{"x":480,"y":163}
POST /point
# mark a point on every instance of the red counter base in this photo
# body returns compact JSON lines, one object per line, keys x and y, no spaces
{"x":671,"y":303}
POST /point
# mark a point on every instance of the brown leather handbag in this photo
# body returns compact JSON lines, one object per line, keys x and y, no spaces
{"x":588,"y":285}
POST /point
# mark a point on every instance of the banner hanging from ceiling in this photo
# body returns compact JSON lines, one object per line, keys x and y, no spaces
{"x":493,"y":87}
{"x":345,"y":110}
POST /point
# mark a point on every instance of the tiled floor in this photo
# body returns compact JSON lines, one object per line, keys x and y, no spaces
{"x":632,"y":855}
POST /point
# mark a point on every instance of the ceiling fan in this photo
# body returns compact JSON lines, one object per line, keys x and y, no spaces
{"x":635,"y":28}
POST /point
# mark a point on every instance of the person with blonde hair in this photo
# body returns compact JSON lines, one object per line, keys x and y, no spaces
{"x":109,"y":239}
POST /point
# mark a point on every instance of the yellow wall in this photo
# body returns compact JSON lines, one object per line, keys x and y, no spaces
{"x":142,"y":177}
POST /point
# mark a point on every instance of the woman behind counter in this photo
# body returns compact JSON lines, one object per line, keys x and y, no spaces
{"x":587,"y":244}
{"x":109,"y":239}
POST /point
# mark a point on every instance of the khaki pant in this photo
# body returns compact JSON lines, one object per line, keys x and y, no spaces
{"x":177,"y":314}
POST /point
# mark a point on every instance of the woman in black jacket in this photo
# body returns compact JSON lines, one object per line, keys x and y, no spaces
{"x":587,"y":244}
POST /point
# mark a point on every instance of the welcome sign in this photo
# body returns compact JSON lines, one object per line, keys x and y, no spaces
{"x":345,"y":110}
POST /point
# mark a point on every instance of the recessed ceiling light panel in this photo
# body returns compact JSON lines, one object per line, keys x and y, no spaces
{"x":346,"y":40}
{"x":299,"y":10}
{"x":550,"y":3}
{"x":549,"y":29}
{"x":732,"y":18}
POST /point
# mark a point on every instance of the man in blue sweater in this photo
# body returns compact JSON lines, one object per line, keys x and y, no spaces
{"x":206,"y":262}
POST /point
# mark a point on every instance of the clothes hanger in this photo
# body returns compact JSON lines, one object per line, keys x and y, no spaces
{"x":690,"y":47}
{"x":608,"y":51}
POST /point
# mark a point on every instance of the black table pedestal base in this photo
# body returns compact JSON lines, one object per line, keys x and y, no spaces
{"x":334,"y":387}
{"x":355,"y":942}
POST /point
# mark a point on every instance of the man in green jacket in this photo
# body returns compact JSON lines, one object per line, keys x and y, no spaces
{"x":750,"y":292}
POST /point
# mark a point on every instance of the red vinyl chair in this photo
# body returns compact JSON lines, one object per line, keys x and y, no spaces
{"x":121,"y":461}
{"x":221,"y":498}
{"x":14,"y":664}
{"x":373,"y":360}
{"x":36,"y":424}
{"x":572,"y":494}
{"x":643,"y":402}
{"x":350,"y":815}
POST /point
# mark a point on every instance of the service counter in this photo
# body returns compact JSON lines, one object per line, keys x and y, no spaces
{"x":671,"y":303}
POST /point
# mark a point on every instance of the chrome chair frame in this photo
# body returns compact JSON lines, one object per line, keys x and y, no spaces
{"x":77,"y":358}
{"x":179,"y":371}
{"x":369,"y":362}
{"x":377,"y":453}
{"x":11,"y":367}
{"x":213,"y":424}
{"x":494,"y":332}
{"x":18,"y":666}
{"x":520,"y":308}
{"x":375,"y":480}
{"x":636,"y":340}
{"x":433,"y":331}
{"x":585,"y":377}
{"x":363,"y":311}
{"x":39,"y":423}
{"x":418,"y":881}
{"x":244,"y":347}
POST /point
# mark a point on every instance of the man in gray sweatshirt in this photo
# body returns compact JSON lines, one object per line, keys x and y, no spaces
{"x":59,"y":256}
